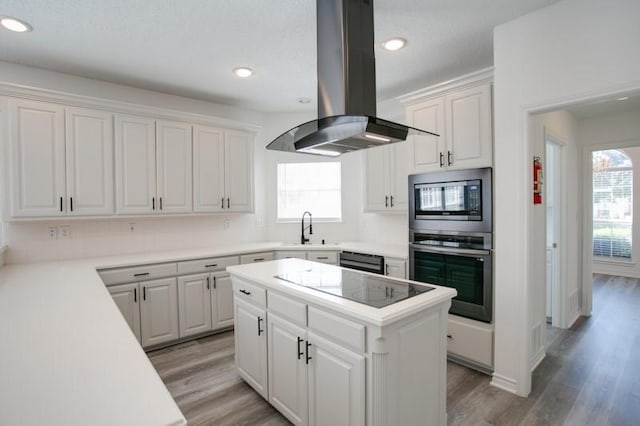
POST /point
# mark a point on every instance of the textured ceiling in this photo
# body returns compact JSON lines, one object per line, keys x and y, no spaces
{"x":188,"y":47}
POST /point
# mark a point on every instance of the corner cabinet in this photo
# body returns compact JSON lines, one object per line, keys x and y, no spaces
{"x":222,"y":170}
{"x":385,"y":179}
{"x":463,"y":119}
{"x":61,"y":160}
{"x":153,"y":166}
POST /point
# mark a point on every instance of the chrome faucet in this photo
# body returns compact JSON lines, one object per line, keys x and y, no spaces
{"x":302,"y":238}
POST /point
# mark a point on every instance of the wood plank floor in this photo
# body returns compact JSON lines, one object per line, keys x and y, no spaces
{"x":590,"y":376}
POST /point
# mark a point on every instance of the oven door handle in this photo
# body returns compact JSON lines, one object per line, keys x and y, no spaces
{"x":449,"y":250}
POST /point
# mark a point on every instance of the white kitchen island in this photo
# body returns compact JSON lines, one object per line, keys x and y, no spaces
{"x":321,"y":359}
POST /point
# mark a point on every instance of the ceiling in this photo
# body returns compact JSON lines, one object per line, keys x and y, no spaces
{"x":189,"y":48}
{"x":605,"y":107}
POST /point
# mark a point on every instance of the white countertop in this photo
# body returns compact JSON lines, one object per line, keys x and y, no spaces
{"x":67,"y":357}
{"x":264,"y":273}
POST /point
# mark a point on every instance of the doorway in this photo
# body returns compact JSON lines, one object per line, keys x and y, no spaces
{"x":554,"y":211}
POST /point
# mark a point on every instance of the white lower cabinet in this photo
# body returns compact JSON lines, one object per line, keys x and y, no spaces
{"x":221,"y":300}
{"x":194,"y":304}
{"x":251,"y":345}
{"x":395,"y":267}
{"x":470,"y":342}
{"x":126,"y":298}
{"x":159,"y":311}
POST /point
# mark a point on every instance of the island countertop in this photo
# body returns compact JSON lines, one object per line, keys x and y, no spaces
{"x":265,"y":274}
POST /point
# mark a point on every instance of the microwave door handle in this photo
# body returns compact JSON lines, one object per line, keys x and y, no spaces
{"x":450,"y":250}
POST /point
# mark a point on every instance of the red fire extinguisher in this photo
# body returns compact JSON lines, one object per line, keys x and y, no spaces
{"x":537,"y":180}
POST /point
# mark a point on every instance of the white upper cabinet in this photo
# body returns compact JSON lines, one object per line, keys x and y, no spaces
{"x":385,"y":178}
{"x":135,"y":165}
{"x":57,"y":172}
{"x":462,"y":118}
{"x":173,"y":157}
{"x":153,"y":166}
{"x":223,"y":170}
{"x":89,"y":162}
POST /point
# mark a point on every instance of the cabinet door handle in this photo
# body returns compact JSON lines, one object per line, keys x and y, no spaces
{"x":135,"y":295}
{"x":214,"y":283}
{"x":142,"y":274}
{"x":228,"y":203}
{"x":153,"y":203}
{"x":71,"y":202}
{"x":386,"y":201}
{"x":248,"y":293}
{"x":300,"y":353}
{"x":449,"y":336}
{"x":386,"y":269}
{"x":222,"y":202}
{"x":260,"y":330}
{"x":144,"y":293}
{"x":258,"y":259}
{"x":307,"y":353}
{"x":208,"y":287}
{"x":391,"y":198}
{"x":60,"y":203}
{"x":211,"y":265}
{"x":160,"y":203}
{"x":441,"y":159}
{"x":449,"y":158}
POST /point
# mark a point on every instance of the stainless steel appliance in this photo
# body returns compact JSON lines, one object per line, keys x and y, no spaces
{"x":450,"y":237}
{"x":369,"y":289}
{"x":362,"y":262}
{"x":457,"y":201}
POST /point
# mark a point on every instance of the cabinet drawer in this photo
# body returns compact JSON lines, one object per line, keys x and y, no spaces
{"x":256,"y":257}
{"x":322,"y":256}
{"x":290,"y":309}
{"x":293,"y":254}
{"x":249,"y":292}
{"x":207,"y":265}
{"x":340,"y":330}
{"x":471,"y":341}
{"x":137,"y":273}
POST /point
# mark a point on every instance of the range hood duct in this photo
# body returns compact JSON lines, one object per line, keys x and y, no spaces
{"x":346,"y":87}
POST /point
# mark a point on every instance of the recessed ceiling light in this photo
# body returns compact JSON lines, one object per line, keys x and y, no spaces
{"x":304,"y":100}
{"x":243,"y":72}
{"x":624,"y":98}
{"x":14,"y":24}
{"x":396,"y":43}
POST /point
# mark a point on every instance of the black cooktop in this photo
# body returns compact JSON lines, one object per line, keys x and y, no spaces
{"x":372,"y":290}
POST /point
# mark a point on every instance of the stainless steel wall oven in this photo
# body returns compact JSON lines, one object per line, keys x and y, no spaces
{"x":450,"y":237}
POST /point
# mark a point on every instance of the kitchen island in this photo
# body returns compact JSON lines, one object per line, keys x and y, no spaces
{"x":320,"y":357}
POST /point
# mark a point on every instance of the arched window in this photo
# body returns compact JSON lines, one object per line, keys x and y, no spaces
{"x":612,"y":204}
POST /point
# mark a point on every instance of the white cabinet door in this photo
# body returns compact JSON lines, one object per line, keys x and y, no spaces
{"x":251,"y":345}
{"x":135,"y":165}
{"x":208,"y":169}
{"x":89,"y":166}
{"x":159,"y":311}
{"x":37,"y":159}
{"x":336,"y":384}
{"x":468,"y":117}
{"x":395,"y":268}
{"x":126,"y":298}
{"x":238,"y":166}
{"x":427,"y":153}
{"x":222,"y":300}
{"x":173,"y":156}
{"x":194,"y":304}
{"x":288,"y":369}
{"x":376,"y":170}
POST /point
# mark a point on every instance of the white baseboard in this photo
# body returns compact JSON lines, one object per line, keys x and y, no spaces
{"x":537,"y":358}
{"x":504,"y":383}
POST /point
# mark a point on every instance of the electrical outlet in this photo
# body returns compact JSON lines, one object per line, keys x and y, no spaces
{"x":64,"y":232}
{"x":53,"y":233}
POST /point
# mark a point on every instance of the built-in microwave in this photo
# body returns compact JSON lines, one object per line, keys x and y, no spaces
{"x":457,"y":200}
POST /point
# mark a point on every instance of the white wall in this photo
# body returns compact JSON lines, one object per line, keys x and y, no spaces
{"x":562,"y":127}
{"x":567,"y":52}
{"x":616,"y":131}
{"x":29,"y":241}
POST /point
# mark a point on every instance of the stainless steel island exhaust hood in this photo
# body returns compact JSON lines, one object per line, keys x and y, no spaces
{"x":346,"y":87}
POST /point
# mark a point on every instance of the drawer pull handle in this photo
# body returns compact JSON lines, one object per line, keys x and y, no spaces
{"x":143,"y":274}
{"x":300,"y":353}
{"x":307,"y":353}
{"x":213,"y":265}
{"x":322,"y":257}
{"x":248,"y":293}
{"x":258,"y":259}
{"x":449,"y":336}
{"x":260,"y":330}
